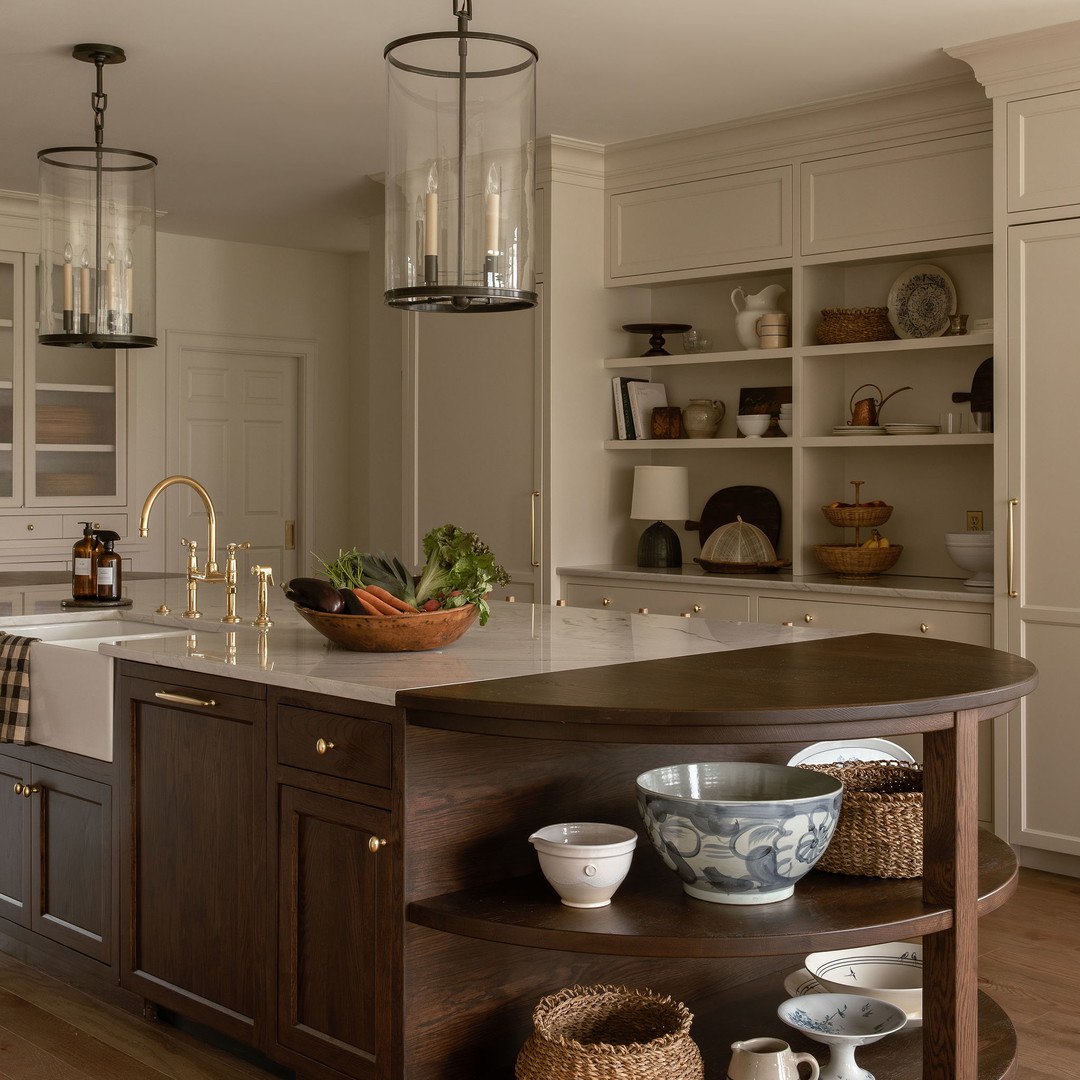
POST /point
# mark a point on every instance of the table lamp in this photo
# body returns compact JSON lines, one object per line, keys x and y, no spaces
{"x":660,"y":491}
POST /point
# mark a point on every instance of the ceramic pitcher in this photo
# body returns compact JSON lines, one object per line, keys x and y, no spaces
{"x":749,"y":308}
{"x":769,"y":1059}
{"x":701,"y":418}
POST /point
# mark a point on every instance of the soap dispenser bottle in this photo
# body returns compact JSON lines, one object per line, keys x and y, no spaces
{"x":84,"y":553}
{"x":108,"y":567}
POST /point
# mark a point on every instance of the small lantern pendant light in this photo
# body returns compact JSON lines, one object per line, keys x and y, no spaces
{"x":96,"y":206}
{"x":460,"y":177}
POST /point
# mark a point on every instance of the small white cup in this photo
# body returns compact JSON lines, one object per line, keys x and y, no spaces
{"x":585,"y":861}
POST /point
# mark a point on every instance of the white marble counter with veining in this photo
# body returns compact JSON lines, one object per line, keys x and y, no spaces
{"x":519,"y":639}
{"x":891,"y":585}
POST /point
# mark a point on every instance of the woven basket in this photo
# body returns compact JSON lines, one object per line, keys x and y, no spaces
{"x":855,"y":563}
{"x":609,"y":1033}
{"x":857,"y":516}
{"x":842,"y":325}
{"x":880,"y":829}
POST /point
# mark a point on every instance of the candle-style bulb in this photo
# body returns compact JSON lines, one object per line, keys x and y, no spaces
{"x":433,"y":178}
{"x":128,"y":260}
{"x":84,"y":262}
{"x":68,"y":253}
{"x":494,"y":184}
{"x":110,"y":254}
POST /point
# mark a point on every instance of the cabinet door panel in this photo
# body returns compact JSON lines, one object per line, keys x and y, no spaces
{"x":15,"y":862}
{"x":73,"y":843}
{"x":904,"y":195}
{"x":700,"y":224}
{"x":1044,"y":151}
{"x":333,"y":932}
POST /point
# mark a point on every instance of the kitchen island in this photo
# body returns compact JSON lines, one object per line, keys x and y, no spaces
{"x":352,"y":830}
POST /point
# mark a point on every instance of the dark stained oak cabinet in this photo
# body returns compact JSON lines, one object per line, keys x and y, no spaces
{"x":56,"y":851}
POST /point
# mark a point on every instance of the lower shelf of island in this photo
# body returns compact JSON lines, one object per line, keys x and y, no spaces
{"x":652,"y":916}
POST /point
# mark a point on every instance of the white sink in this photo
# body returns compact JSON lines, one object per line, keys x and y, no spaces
{"x":71,"y":683}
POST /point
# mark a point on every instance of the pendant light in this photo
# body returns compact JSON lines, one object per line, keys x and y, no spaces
{"x":96,"y":206}
{"x":460,"y":175}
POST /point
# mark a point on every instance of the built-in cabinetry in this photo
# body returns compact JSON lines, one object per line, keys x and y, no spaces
{"x":257,"y":896}
{"x":1034,"y":81}
{"x":63,"y":429}
{"x":56,"y":850}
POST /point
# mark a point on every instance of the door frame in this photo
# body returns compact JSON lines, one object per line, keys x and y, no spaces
{"x":304,"y":351}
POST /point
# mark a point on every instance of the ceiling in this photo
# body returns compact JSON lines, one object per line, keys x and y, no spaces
{"x":268,"y":116}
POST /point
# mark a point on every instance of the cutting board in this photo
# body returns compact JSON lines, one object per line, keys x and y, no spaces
{"x":755,"y":505}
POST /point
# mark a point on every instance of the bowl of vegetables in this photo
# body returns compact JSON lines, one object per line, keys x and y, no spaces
{"x":370,"y":602}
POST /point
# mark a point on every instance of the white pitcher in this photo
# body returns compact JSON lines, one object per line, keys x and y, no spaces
{"x":751,"y":308}
{"x":768,"y":1059}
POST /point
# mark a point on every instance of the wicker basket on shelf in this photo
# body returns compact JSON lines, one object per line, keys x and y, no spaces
{"x":854,"y":562}
{"x":857,"y":517}
{"x":840,"y":326}
{"x":880,"y":829}
{"x":609,"y":1033}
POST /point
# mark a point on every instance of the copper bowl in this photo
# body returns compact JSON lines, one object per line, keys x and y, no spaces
{"x":392,"y":633}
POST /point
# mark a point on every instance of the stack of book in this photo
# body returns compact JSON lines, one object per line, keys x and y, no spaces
{"x":635,"y":399}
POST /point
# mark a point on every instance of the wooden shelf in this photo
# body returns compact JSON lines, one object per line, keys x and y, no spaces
{"x":651,"y":915}
{"x":75,"y":388}
{"x":697,"y":444}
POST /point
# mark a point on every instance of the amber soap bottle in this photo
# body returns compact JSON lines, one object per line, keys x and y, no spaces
{"x":108,"y":567}
{"x":84,"y":555}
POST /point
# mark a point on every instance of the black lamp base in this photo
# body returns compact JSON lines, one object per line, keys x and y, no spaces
{"x":659,"y":547}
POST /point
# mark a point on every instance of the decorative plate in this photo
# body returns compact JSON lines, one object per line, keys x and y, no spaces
{"x":920,"y":302}
{"x":838,"y":750}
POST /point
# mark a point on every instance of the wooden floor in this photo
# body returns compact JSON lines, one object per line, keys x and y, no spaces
{"x":1030,"y":964}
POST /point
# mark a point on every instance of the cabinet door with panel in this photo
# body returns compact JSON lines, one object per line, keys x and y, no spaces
{"x":1043,"y":151}
{"x":193,"y":841}
{"x":338,"y":871}
{"x":56,"y":856}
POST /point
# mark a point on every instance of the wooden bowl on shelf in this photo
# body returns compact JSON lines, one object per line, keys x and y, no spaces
{"x":392,"y":633}
{"x":855,"y":563}
{"x":857,"y":516}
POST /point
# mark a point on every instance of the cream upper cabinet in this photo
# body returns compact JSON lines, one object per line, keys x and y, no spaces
{"x":920,"y":193}
{"x":690,"y":227}
{"x":1043,"y":141}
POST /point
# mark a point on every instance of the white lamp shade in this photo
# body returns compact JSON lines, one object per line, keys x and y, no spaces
{"x":660,"y":492}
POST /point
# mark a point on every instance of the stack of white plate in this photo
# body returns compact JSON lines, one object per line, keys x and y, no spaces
{"x":912,"y":429}
{"x":787,"y":417}
{"x":857,"y":429}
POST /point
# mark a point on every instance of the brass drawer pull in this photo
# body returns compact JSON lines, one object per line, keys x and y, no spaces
{"x":322,"y":745}
{"x":808,"y":618}
{"x":698,"y":609}
{"x":25,"y":790}
{"x":606,"y":601}
{"x":374,"y":843}
{"x":183,"y":699}
{"x":924,"y":628}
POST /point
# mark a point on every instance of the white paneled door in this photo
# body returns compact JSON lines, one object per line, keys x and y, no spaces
{"x":238,"y":429}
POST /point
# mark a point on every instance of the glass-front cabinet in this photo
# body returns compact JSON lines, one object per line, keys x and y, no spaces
{"x":62,"y":430}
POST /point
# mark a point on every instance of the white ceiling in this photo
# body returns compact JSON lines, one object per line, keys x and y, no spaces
{"x":268,"y":115}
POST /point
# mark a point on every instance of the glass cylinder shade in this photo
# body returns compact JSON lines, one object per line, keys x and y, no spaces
{"x":96,"y":285}
{"x":461,"y":173}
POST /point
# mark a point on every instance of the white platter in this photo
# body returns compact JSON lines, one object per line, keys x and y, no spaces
{"x":920,"y":302}
{"x":865,"y":429}
{"x":800,"y":982}
{"x":840,"y":750}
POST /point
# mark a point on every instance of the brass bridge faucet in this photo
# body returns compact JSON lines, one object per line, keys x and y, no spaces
{"x":210,"y":574}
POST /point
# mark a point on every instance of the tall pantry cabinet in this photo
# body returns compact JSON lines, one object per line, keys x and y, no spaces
{"x":1034,"y":80}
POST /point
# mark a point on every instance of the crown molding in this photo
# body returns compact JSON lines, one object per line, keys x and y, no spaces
{"x":570,"y":161}
{"x":1032,"y":61}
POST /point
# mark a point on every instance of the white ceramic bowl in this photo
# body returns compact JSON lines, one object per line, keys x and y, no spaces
{"x":754,"y":425}
{"x":739,"y":832}
{"x":784,"y":420}
{"x":584,"y":861}
{"x":891,"y":972}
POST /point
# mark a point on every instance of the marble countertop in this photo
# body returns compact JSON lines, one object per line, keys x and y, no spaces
{"x":519,"y":639}
{"x":891,"y":585}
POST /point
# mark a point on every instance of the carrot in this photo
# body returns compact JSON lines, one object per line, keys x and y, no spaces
{"x":365,"y":603}
{"x":370,"y":599}
{"x":381,"y":594}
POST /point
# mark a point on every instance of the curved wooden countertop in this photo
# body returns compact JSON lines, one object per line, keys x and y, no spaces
{"x":832,"y":688}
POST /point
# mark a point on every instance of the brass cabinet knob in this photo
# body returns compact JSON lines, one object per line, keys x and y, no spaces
{"x":808,"y":618}
{"x":606,"y":601}
{"x":698,"y":609}
{"x":30,"y":527}
{"x":25,"y":790}
{"x":924,"y":628}
{"x":322,"y":745}
{"x":374,"y":843}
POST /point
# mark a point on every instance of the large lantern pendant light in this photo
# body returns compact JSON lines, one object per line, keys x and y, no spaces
{"x":96,"y":206}
{"x":460,"y":174}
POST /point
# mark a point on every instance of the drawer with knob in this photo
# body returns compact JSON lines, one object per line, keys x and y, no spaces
{"x":699,"y":604}
{"x":347,"y":747}
{"x":973,"y":627}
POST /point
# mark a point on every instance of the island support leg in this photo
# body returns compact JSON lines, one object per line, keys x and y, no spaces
{"x":950,"y":876}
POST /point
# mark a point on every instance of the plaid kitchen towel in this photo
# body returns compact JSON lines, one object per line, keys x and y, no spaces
{"x":15,"y":688}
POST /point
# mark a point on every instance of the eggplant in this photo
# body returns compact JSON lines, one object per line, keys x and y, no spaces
{"x":352,"y":602}
{"x":314,"y":593}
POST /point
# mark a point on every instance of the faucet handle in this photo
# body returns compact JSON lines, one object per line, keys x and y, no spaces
{"x":265,"y":574}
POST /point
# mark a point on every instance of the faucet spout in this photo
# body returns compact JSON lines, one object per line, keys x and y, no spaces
{"x":211,"y":516}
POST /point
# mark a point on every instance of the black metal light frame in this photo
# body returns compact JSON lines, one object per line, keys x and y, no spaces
{"x":102,"y":321}
{"x":474,"y":283}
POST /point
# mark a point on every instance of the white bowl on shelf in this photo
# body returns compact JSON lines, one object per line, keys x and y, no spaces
{"x":974,"y":552}
{"x":584,"y":861}
{"x":753,"y":425}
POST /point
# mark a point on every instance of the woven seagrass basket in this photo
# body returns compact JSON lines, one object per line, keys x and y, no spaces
{"x":840,"y":326}
{"x":880,"y":829}
{"x":609,"y":1033}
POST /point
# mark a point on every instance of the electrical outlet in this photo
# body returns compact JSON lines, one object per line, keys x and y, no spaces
{"x":974,"y":521}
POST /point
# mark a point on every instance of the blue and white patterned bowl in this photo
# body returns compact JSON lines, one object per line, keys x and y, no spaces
{"x":739,"y":832}
{"x":836,"y":1018}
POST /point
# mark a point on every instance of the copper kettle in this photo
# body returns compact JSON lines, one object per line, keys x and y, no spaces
{"x":867,"y":411}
